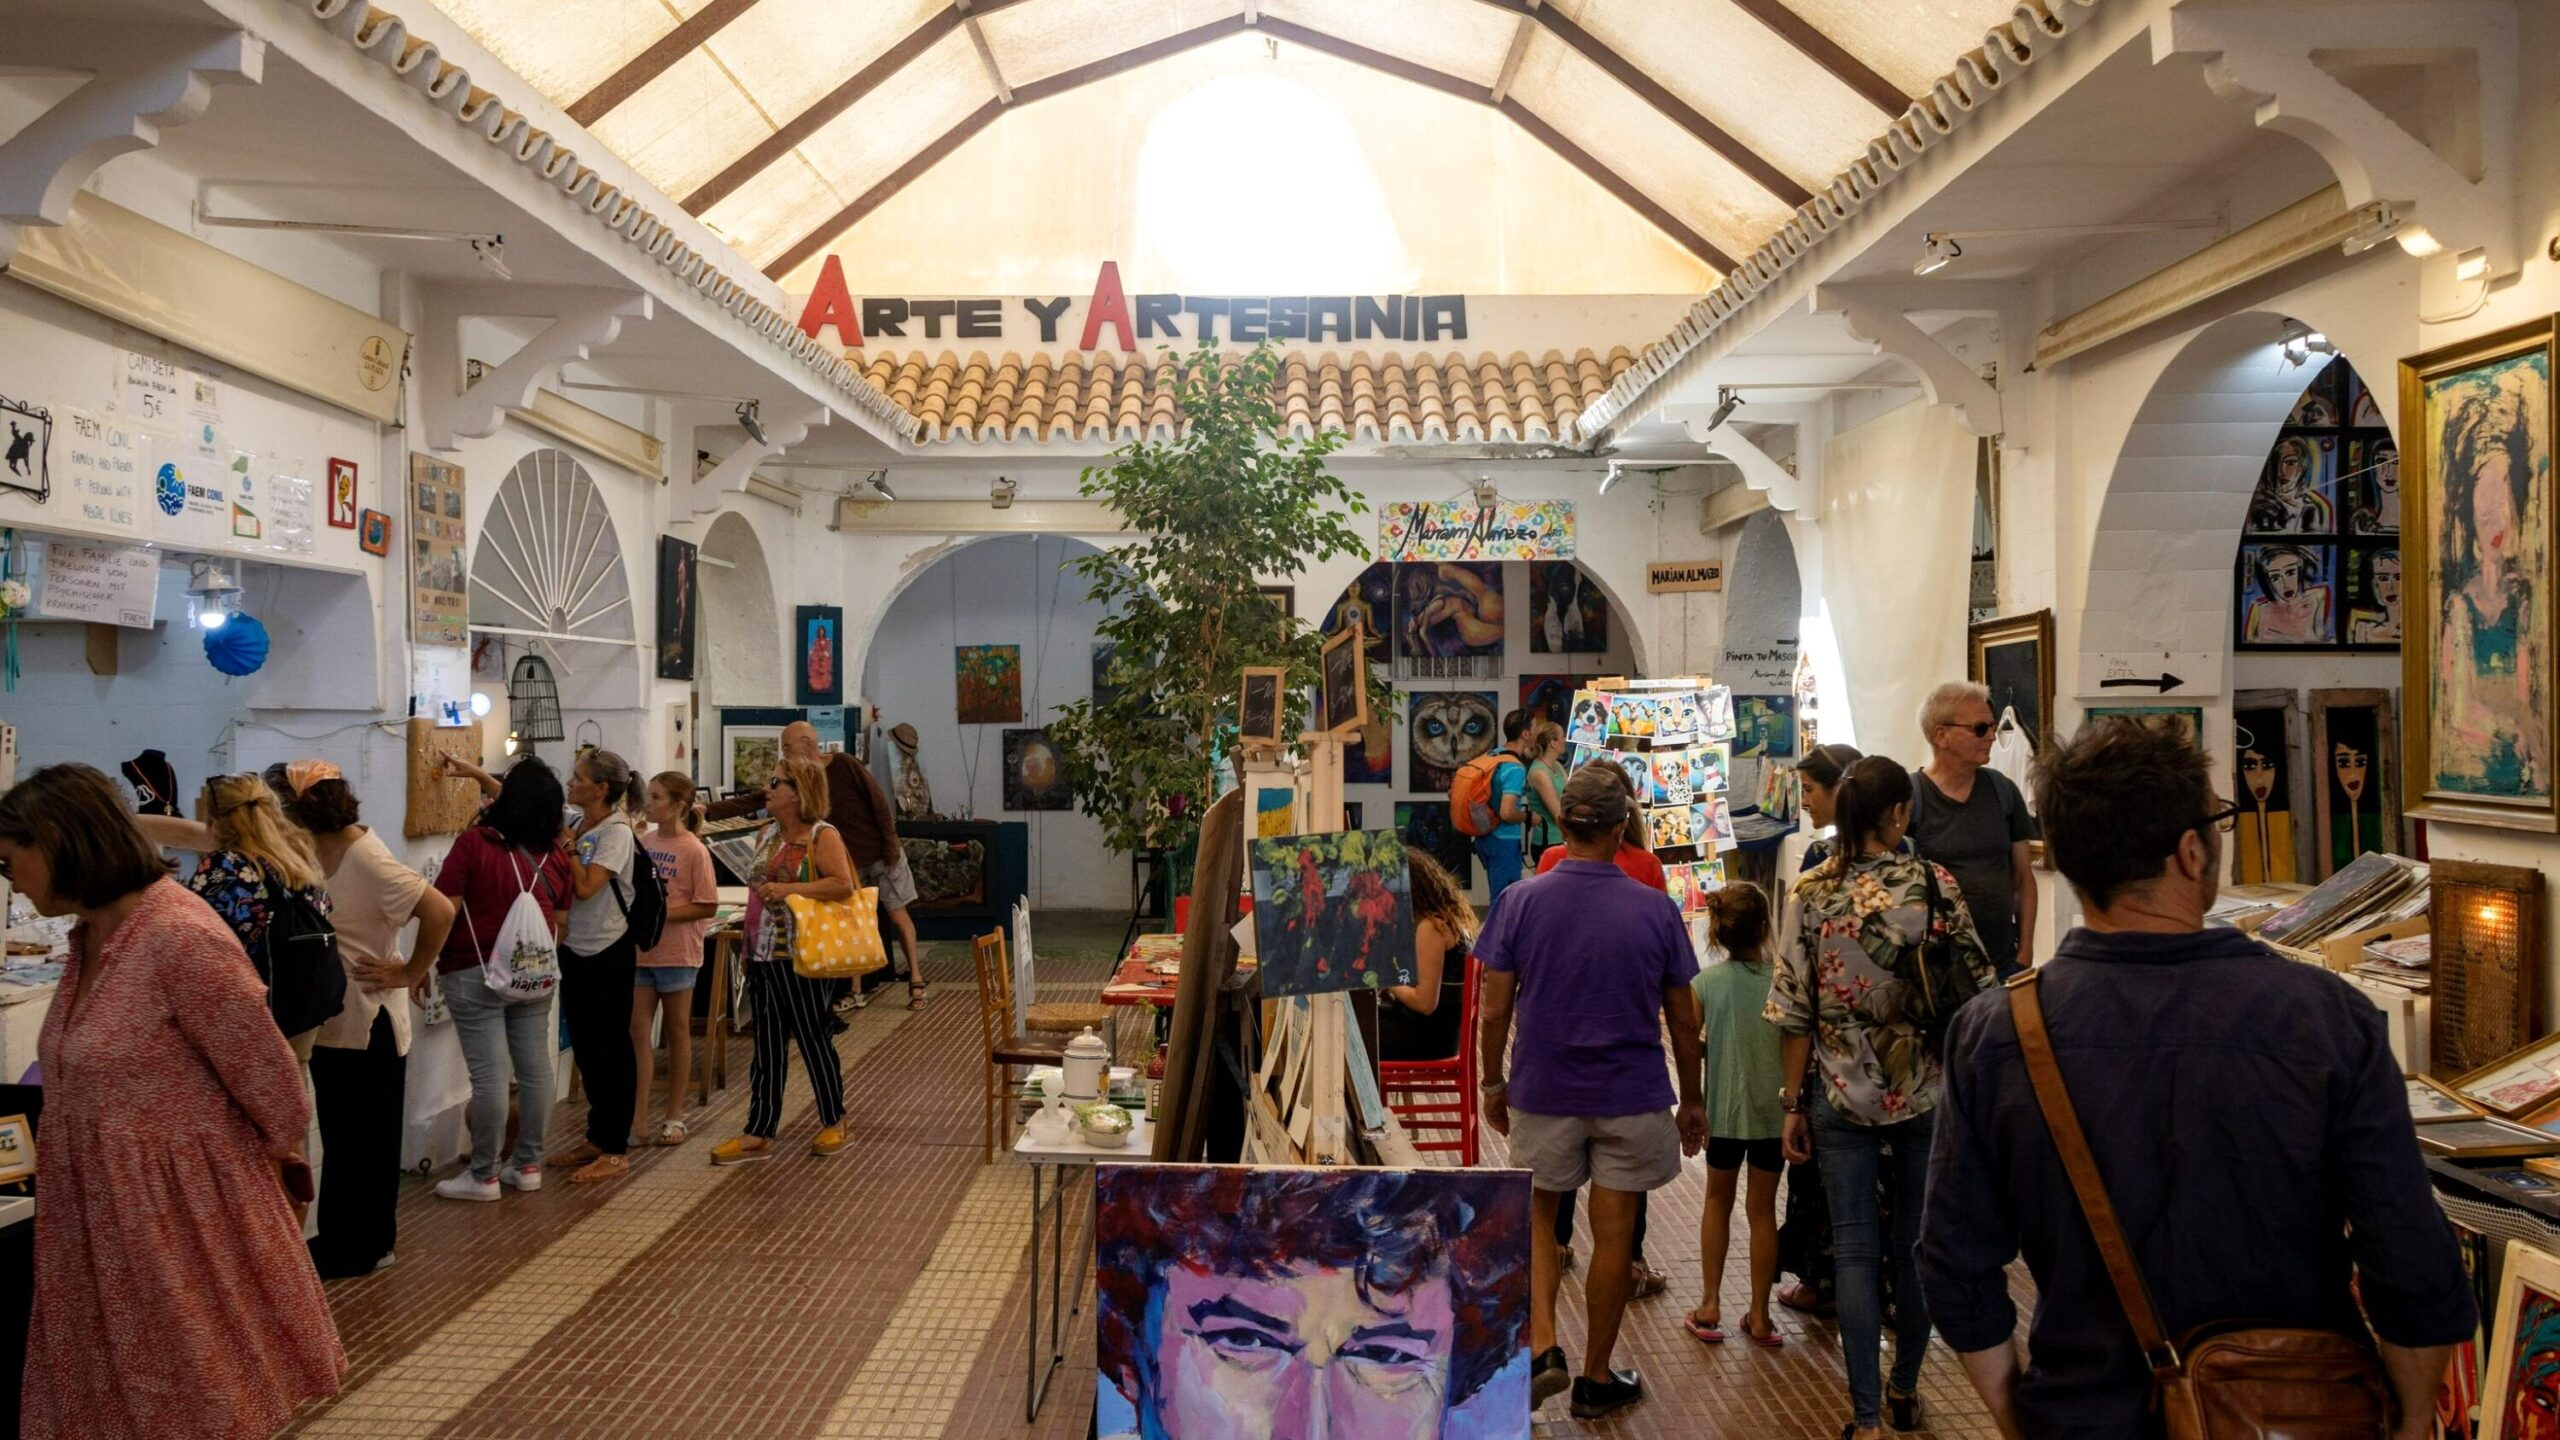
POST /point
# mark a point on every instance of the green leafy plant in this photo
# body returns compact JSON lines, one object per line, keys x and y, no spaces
{"x":1231,"y":503}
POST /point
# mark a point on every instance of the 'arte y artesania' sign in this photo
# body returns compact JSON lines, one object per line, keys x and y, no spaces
{"x":1115,"y":319}
{"x":1459,"y":530}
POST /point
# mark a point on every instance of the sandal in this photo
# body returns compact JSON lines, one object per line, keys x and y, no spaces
{"x":1705,"y":1332}
{"x":1768,"y":1339}
{"x":915,"y":994}
{"x":603,"y":1167}
{"x":1644,"y":1282}
{"x":671,"y":1133}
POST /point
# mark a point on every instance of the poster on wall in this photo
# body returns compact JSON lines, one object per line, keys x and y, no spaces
{"x":1366,"y":601}
{"x":2480,"y":660}
{"x":1035,"y":774}
{"x":1567,"y":613}
{"x":191,"y":500}
{"x":1446,"y":729}
{"x":27,"y":465}
{"x":2373,"y":485}
{"x":104,"y":460}
{"x":679,"y":584}
{"x":2288,"y":595}
{"x":1449,"y":620}
{"x":289,"y":522}
{"x":439,"y":568}
{"x":2373,"y":596}
{"x":100,"y":584}
{"x":989,"y":679}
{"x":1764,"y":726}
{"x":1465,"y":530}
{"x":342,"y":494}
{"x":1419,"y":1275}
{"x":148,"y":389}
{"x":819,"y":676}
{"x":248,"y":498}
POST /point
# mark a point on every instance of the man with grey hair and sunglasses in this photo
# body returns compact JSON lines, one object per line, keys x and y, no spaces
{"x":1974,"y":821}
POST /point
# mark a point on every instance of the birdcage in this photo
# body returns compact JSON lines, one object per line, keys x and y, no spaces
{"x":533,"y":700}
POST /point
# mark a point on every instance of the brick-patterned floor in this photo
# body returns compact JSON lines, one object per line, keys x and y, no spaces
{"x":881,"y":1294}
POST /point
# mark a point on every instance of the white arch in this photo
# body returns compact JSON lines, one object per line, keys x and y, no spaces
{"x":742,"y":637}
{"x":547,"y":563}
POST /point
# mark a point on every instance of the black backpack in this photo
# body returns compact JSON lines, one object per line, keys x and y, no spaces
{"x":644,"y":913}
{"x":1936,"y":982}
{"x":306,"y":979}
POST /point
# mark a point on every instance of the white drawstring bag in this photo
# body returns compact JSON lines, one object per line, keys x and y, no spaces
{"x":2011,"y":754}
{"x":522,"y":962}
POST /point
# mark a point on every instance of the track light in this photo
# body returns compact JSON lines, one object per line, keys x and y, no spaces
{"x":1486,"y":496}
{"x":212,"y":595}
{"x":1001,"y":493}
{"x":1937,"y":252}
{"x":751,"y":420}
{"x":878,"y":480}
{"x":1615,"y":471}
{"x":2301,"y":342}
{"x":1728,"y":400}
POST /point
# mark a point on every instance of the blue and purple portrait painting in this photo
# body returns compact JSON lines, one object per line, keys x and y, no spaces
{"x":1254,"y":1303}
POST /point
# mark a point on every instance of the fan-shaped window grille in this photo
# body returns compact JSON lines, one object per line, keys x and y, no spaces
{"x":548,"y":565}
{"x":533,"y":701}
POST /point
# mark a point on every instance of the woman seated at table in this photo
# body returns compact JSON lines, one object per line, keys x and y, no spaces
{"x":1420,"y":1021}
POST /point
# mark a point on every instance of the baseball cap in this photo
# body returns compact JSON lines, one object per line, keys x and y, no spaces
{"x":1596,"y":797}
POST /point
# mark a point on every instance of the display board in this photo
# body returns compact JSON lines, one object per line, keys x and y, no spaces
{"x":437,"y":805}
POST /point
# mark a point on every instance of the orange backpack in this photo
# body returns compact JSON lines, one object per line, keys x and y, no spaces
{"x":1471,"y":795}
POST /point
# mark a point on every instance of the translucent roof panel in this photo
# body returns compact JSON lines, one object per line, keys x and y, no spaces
{"x":566,"y":46}
{"x":1034,"y":42}
{"x":1464,"y":38}
{"x":1909,"y":42}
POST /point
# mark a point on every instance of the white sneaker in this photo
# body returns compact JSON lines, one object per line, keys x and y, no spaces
{"x":527,"y":1178}
{"x":466,"y":1186}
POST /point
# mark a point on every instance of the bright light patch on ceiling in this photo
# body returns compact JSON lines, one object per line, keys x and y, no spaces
{"x":1255,"y":185}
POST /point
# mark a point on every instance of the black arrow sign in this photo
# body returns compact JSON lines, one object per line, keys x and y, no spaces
{"x":2162,"y":683}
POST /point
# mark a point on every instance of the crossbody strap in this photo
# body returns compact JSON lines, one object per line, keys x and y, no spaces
{"x":2054,"y":1099}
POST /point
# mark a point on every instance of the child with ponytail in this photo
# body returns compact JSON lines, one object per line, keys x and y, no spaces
{"x":663,"y":979}
{"x":1745,"y":1124}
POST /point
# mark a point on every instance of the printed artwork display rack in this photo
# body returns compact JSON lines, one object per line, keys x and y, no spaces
{"x":1674,"y":739}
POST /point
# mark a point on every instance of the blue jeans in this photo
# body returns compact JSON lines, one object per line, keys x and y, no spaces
{"x":1853,"y":1157}
{"x":1500,"y":855}
{"x":494,"y":1032}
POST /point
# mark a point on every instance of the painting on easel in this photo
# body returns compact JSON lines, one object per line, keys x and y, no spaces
{"x":1213,"y":1281}
{"x":1332,"y":912}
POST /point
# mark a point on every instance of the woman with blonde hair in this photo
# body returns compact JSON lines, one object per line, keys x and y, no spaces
{"x":1420,"y":1021}
{"x":249,"y":859}
{"x":598,"y":961}
{"x":663,"y":980}
{"x":798,"y":854}
{"x":1542,"y":751}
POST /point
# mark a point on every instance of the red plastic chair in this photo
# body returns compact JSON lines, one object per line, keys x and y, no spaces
{"x":1182,"y":911}
{"x":1440,"y":1094}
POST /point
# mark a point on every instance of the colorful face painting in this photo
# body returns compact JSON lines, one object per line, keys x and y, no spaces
{"x":1425,"y":826}
{"x":1241,"y":1303}
{"x":2297,"y":492}
{"x":2373,"y":469}
{"x":1548,"y":696}
{"x":2489,"y":716}
{"x":1590,"y":722}
{"x":1451,"y":610}
{"x":990,"y":684}
{"x":1332,"y":912}
{"x":1709,"y":765}
{"x":1716,"y":718}
{"x":2319,"y":403}
{"x":1632,"y":715}
{"x":2352,"y":772}
{"x":1567,"y":613}
{"x":2262,"y":844}
{"x":2373,"y":595}
{"x":1449,"y":728}
{"x":2532,"y":1409}
{"x":821,"y":677}
{"x":2286,"y":594}
{"x":1678,"y":718}
{"x":1713,"y":823}
{"x":1367,"y":601}
{"x":1638,"y":767}
{"x":1668,"y":777}
{"x":1035,"y":775}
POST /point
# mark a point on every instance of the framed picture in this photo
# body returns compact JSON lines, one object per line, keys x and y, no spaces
{"x":2515,"y":1083}
{"x":819,"y":677}
{"x":2372,"y":587}
{"x":1366,"y":602}
{"x":989,"y":680}
{"x":2521,"y":1387}
{"x":679,"y":601}
{"x":1259,"y":712}
{"x":1283,"y":598}
{"x":2477,"y":540}
{"x":1449,"y":620}
{"x":17,"y":1149}
{"x":2272,"y":784}
{"x":2431,"y":1100}
{"x":2288,"y":595}
{"x":2014,"y":657}
{"x":1568,"y":615}
{"x":2353,"y":748}
{"x":747,"y":755}
{"x":28,"y":467}
{"x":1035,"y":775}
{"x":342,"y":493}
{"x":2486,"y":1138}
{"x":1342,"y":682}
{"x":374,"y":534}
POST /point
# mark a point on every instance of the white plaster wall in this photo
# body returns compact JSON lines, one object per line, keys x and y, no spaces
{"x":1765,"y":613}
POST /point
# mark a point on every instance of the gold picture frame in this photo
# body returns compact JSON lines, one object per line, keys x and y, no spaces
{"x":1991,"y":649}
{"x":2486,"y":1137}
{"x":2520,"y":1068}
{"x":2431,"y":1101}
{"x":2476,"y":401}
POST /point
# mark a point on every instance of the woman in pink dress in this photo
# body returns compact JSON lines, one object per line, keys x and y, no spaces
{"x":173,"y":1292}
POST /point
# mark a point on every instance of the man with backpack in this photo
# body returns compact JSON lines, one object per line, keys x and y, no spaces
{"x":2246,"y":1123}
{"x":1485,"y":799}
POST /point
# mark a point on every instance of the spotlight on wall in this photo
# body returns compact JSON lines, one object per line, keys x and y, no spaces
{"x":878,"y":480}
{"x":1615,"y":472}
{"x":1937,"y":252}
{"x":479,"y":702}
{"x":1486,"y":496}
{"x":1728,"y":400}
{"x":1001,"y":493}
{"x":212,"y":595}
{"x":751,"y":420}
{"x":2301,"y":342}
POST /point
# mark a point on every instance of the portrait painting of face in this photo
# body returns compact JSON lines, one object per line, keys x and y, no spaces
{"x":2373,"y":463}
{"x":2352,"y":771}
{"x":2488,"y":429}
{"x":1035,"y":774}
{"x":2373,"y":596}
{"x":1589,"y":724}
{"x":2295,"y":494}
{"x":2262,"y":848}
{"x":821,"y":677}
{"x":1243,"y":1303}
{"x":2318,"y":405}
{"x":2286,"y":596}
{"x":1448,"y":729}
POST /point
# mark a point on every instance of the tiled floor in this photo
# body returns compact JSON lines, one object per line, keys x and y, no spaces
{"x":880,"y":1294}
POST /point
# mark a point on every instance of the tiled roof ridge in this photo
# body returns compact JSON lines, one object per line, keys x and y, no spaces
{"x":383,"y":38}
{"x":1976,"y":79}
{"x":1429,"y":396}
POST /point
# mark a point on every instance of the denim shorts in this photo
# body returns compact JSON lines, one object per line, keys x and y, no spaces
{"x":665,"y":979}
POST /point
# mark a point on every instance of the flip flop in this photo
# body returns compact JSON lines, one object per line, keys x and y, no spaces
{"x":1770,"y":1340}
{"x":1706,"y":1332}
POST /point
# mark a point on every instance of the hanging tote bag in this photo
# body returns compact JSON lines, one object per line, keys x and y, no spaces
{"x":522,"y":962}
{"x":830,"y":939}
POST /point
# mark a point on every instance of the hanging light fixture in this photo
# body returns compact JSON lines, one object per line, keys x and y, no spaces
{"x":213,"y":597}
{"x":533,"y":700}
{"x":2301,"y":342}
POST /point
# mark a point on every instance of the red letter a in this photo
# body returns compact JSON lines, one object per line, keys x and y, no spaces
{"x":1110,"y":306}
{"x":832,"y":304}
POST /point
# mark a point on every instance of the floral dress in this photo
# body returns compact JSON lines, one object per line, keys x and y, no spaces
{"x":236,"y":887}
{"x":1837,"y":983}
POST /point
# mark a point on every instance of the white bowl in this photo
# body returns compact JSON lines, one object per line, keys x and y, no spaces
{"x":1107,"y":1139}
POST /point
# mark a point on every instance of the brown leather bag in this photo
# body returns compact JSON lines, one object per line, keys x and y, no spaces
{"x":2228,"y":1380}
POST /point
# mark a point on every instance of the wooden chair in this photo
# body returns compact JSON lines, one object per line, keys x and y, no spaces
{"x":1055,"y":1017}
{"x":1440,"y":1094}
{"x":1006,"y":1049}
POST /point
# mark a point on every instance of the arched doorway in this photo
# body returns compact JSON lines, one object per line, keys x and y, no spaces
{"x":1763,"y":642}
{"x":547,"y":577}
{"x":742,"y":632}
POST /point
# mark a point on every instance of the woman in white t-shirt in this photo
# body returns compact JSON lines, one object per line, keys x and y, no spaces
{"x":662,"y":983}
{"x":597,"y":964}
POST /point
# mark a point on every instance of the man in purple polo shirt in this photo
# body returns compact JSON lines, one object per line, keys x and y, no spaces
{"x":1593,"y":960}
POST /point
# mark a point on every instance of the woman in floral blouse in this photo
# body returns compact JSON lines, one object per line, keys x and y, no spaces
{"x":1836,"y":998}
{"x":250,"y":855}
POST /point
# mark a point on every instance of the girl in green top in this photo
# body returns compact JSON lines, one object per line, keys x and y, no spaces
{"x":1744,"y":1120}
{"x":1543,"y":748}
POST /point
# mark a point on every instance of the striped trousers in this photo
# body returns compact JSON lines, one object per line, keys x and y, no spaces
{"x":790,"y":1008}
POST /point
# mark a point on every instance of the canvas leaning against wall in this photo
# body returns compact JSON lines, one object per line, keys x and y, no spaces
{"x":1332,"y":912}
{"x":1355,"y":1303}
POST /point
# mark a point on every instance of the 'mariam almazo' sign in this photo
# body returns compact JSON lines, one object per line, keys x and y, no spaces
{"x":1115,"y":319}
{"x":1461,"y":530}
{"x":1666,"y":577}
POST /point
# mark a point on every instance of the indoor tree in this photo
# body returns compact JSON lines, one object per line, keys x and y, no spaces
{"x":1230,"y":503}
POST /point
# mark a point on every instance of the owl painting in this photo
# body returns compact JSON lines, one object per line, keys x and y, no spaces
{"x":1448,"y":729}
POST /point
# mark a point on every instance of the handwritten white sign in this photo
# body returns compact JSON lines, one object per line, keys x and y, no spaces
{"x":104,"y":465}
{"x":102,"y":584}
{"x":148,"y":388}
{"x":289,"y":514}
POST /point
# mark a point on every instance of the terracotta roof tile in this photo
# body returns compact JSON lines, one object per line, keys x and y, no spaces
{"x":1431,"y":397}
